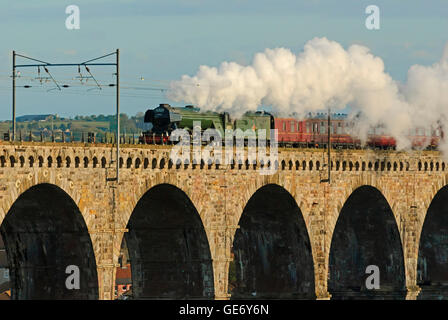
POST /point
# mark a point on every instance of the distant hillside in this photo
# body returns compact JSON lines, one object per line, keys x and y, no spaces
{"x":93,"y":123}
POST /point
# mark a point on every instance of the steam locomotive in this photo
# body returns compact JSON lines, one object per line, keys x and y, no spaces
{"x":311,"y":131}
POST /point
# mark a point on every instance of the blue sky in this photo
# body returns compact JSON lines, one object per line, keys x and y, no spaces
{"x":162,"y":40}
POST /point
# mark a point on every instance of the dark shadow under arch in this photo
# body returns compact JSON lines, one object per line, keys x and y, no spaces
{"x":432,"y":267}
{"x":44,"y":232}
{"x":272,"y":251}
{"x":168,"y":247}
{"x":366,"y":234}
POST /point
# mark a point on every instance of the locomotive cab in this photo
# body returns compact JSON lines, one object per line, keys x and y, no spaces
{"x":163,"y":118}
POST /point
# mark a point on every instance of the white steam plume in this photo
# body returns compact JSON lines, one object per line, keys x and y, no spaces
{"x":324,"y":75}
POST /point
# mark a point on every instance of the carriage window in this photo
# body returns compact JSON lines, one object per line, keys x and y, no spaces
{"x":292,"y":126}
{"x":284,"y":126}
{"x":339,"y":130}
{"x":298,"y":128}
{"x":307,"y":127}
{"x":322,"y":127}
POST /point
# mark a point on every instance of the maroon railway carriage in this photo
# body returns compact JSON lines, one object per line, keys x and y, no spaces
{"x":313,"y":132}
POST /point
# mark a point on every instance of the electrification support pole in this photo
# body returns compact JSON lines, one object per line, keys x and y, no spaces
{"x":329,"y":147}
{"x":118,"y":112}
{"x":13,"y":138}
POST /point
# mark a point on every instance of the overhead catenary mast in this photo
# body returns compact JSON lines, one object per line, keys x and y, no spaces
{"x":328,"y":149}
{"x":90,"y":62}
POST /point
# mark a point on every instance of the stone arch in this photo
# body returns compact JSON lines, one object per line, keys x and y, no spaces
{"x":419,"y":166}
{"x":303,"y":165}
{"x":395,"y":166}
{"x":240,"y":164}
{"x":103,"y":162}
{"x":162,"y":163}
{"x":59,"y":161}
{"x":344,"y":165}
{"x":67,"y":162}
{"x":154,"y":163}
{"x":357,"y":166}
{"x":12,"y":161}
{"x":317,"y":165}
{"x":31,"y":161}
{"x":22,"y":161}
{"x":426,"y":166}
{"x":283,"y":164}
{"x":2,"y":161}
{"x":77,"y":162}
{"x":290,"y":165}
{"x":271,"y":248}
{"x":168,"y":247}
{"x":297,"y":164}
{"x":254,"y":164}
{"x":41,"y":161}
{"x":146,"y":163}
{"x":432,"y":266}
{"x":137,"y":163}
{"x":44,"y":226}
{"x":94,"y":162}
{"x":86,"y":162}
{"x":49,"y":161}
{"x":201,"y":166}
{"x":310,"y":165}
{"x":129,"y":163}
{"x":366,"y":233}
{"x":121,"y":162}
{"x":350,"y":166}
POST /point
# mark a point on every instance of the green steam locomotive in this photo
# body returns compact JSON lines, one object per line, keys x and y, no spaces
{"x":165,"y":119}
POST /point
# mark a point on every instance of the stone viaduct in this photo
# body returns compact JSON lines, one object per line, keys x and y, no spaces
{"x":220,"y":232}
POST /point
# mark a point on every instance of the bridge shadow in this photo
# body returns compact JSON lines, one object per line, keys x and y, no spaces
{"x":432,"y":270}
{"x":366,"y":234}
{"x":272,"y":251}
{"x":168,"y":248}
{"x":44,"y":232}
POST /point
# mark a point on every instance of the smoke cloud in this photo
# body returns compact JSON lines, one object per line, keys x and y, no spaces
{"x":324,"y":75}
